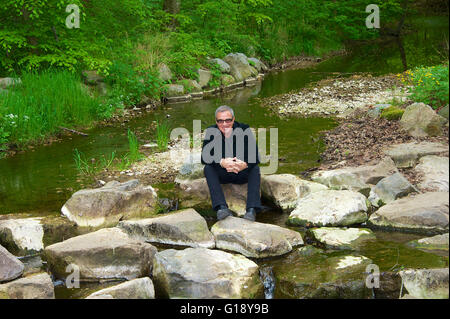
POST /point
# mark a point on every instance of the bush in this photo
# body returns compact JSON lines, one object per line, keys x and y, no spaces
{"x":429,"y":85}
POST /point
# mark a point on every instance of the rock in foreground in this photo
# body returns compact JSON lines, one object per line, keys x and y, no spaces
{"x":330,"y":208}
{"x":109,"y":204}
{"x":426,"y":283}
{"x":203,"y":273}
{"x":253,"y":239}
{"x":106,"y":254}
{"x":342,"y":238}
{"x":186,"y":228}
{"x":425,"y":213}
{"x":10,"y":267}
{"x":141,"y":288}
{"x":38,"y":286}
{"x":22,"y":236}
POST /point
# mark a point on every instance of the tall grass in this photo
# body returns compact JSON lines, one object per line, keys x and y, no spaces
{"x":44,"y":101}
{"x":162,"y":135}
{"x":133,"y":146}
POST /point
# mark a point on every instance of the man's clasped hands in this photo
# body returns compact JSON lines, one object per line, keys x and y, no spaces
{"x":233,"y":165}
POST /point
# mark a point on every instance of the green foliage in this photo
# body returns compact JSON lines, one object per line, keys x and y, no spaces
{"x":92,"y":167}
{"x":162,"y":135}
{"x":429,"y":85}
{"x":133,"y":146}
{"x":392,"y":113}
{"x":216,"y":74}
{"x":43,"y":102}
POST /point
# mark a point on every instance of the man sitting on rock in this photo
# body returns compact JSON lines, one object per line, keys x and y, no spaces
{"x":230,"y":155}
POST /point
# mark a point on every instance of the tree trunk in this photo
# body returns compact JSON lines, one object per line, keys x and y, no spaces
{"x":172,"y":7}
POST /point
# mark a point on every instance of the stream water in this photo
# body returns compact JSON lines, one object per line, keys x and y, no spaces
{"x":39,"y":181}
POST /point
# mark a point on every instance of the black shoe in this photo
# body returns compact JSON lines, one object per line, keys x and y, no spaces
{"x":250,"y":214}
{"x":223,"y":212}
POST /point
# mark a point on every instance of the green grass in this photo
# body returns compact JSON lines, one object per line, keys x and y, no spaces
{"x":35,"y":109}
{"x":162,"y":135}
{"x":392,"y":113}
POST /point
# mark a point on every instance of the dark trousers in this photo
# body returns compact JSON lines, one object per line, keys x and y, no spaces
{"x":218,"y":175}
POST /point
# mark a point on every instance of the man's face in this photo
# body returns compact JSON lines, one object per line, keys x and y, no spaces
{"x":225,"y":122}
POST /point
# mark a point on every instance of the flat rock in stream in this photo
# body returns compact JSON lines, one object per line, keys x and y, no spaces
{"x":438,"y":242}
{"x":140,"y":288}
{"x":356,"y":178}
{"x":406,"y":155}
{"x":106,"y":254}
{"x":185,"y":227}
{"x":284,"y":190}
{"x":253,"y":239}
{"x":435,"y":172}
{"x":342,"y":238}
{"x":106,"y":205}
{"x":389,"y":189}
{"x":426,"y":283}
{"x":330,"y":208}
{"x":22,"y":236}
{"x":38,"y":286}
{"x":423,"y":213}
{"x":196,"y":273}
{"x":10,"y":267}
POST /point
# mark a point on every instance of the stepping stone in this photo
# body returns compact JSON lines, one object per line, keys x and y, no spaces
{"x":426,"y":283}
{"x":185,"y":228}
{"x":10,"y":267}
{"x":423,"y":213}
{"x":22,"y":236}
{"x":286,"y":189}
{"x":406,"y":155}
{"x":38,"y":286}
{"x":197,"y":273}
{"x":253,"y":239}
{"x":342,"y":238}
{"x":108,"y":204}
{"x":141,"y":288}
{"x":389,"y":189}
{"x":106,"y":254}
{"x":330,"y":208}
{"x":356,"y":178}
{"x":435,"y":172}
{"x":438,"y":242}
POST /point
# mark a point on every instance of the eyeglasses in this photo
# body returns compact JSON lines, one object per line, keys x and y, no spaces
{"x":224,"y":121}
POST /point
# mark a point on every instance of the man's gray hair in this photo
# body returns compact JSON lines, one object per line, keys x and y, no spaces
{"x":224,"y":108}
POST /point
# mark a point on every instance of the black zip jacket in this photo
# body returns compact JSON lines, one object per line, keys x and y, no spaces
{"x":244,"y":145}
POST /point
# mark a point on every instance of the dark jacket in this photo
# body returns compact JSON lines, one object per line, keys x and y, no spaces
{"x":244,"y":145}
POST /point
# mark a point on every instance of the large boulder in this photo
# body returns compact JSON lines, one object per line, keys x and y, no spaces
{"x":356,"y":178}
{"x":204,"y":273}
{"x":434,"y":170}
{"x":140,"y":288}
{"x":284,"y":190}
{"x":423,"y":213}
{"x":322,"y":275}
{"x":196,"y":192}
{"x":10,"y":267}
{"x":174,"y":90}
{"x":330,"y":208}
{"x":204,"y":76}
{"x":226,"y":79}
{"x":164,"y":72}
{"x":426,"y":283}
{"x":38,"y":286}
{"x":107,"y":254}
{"x":253,"y":239}
{"x":406,"y":155}
{"x":342,"y":238}
{"x":389,"y":189}
{"x":224,"y":67}
{"x":438,"y":242}
{"x":22,"y":236}
{"x":420,"y":120}
{"x":107,"y":205}
{"x":261,"y":67}
{"x":185,"y":228}
{"x":240,"y":69}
